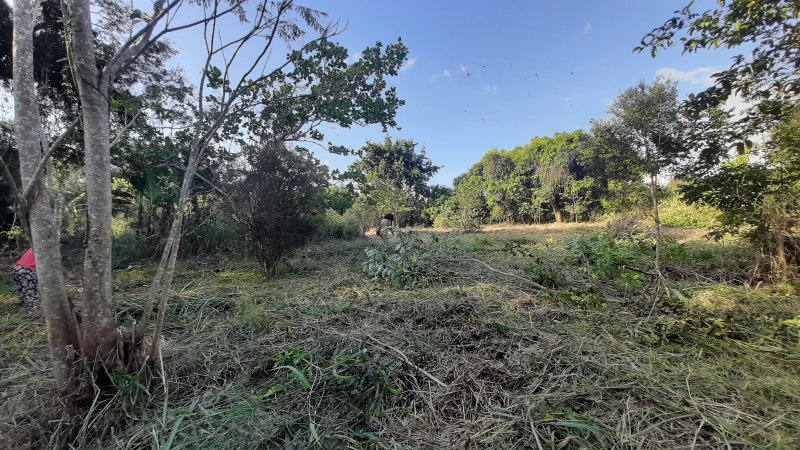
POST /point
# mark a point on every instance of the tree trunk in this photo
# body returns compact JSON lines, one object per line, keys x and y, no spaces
{"x":657,"y":221}
{"x":162,"y":282}
{"x":62,"y":328}
{"x":557,"y":214}
{"x":99,"y":339}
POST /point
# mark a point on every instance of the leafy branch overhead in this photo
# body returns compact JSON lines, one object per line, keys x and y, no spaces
{"x":766,"y":72}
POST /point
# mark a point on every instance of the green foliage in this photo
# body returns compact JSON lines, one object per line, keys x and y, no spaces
{"x":676,"y":213}
{"x":644,"y":134}
{"x":766,"y":31}
{"x":276,"y":202}
{"x":544,"y":273}
{"x":545,"y":179}
{"x":336,"y":226}
{"x":394,"y":177}
{"x":127,"y":248}
{"x":131,"y":394}
{"x":626,"y":197}
{"x":339,"y":199}
{"x":604,"y":259}
{"x":410,"y":262}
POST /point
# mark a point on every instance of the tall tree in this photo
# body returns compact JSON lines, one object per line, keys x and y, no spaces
{"x":315,"y":85}
{"x":62,"y":329}
{"x":645,"y":132}
{"x":394,"y":176}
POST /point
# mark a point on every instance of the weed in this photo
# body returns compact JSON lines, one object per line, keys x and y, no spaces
{"x":604,"y":259}
{"x":412,"y":262}
{"x":543,"y":273}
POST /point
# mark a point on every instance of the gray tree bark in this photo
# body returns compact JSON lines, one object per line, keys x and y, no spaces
{"x":97,"y":328}
{"x":62,"y":327}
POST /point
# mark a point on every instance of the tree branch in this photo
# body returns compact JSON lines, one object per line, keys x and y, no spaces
{"x":124,"y":129}
{"x":26,"y":192}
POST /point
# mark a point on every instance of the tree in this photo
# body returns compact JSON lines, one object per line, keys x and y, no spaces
{"x":759,"y":198}
{"x":394,"y":176}
{"x":315,"y":85}
{"x":276,"y":200}
{"x":62,"y":328}
{"x":768,"y":76}
{"x":469,"y":195}
{"x":644,"y":133}
{"x":752,"y":184}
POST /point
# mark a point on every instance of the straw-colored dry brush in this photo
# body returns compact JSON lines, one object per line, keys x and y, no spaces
{"x":529,"y":338}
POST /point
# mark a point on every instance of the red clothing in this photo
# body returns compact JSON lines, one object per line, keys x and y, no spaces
{"x":27,"y":260}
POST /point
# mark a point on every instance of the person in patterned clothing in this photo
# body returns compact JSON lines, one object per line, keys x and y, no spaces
{"x":26,"y":280}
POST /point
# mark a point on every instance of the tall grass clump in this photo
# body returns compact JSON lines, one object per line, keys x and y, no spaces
{"x":336,"y":226}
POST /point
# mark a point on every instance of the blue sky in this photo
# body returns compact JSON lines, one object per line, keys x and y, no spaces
{"x":485,"y":75}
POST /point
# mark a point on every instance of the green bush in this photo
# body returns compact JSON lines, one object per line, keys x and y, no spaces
{"x":410,"y":262}
{"x":216,"y":235}
{"x":676,"y":213}
{"x":128,"y":247}
{"x":604,"y":259}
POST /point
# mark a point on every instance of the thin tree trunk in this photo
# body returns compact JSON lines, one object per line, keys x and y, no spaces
{"x":162,"y":283}
{"x":657,"y":221}
{"x":97,"y":328}
{"x":62,"y":327}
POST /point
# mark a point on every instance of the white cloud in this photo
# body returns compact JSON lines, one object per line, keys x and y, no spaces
{"x":491,"y":89}
{"x":462,"y":68}
{"x":409,"y":64}
{"x":444,"y":74}
{"x":587,"y":28}
{"x":355,"y":57}
{"x":700,"y":76}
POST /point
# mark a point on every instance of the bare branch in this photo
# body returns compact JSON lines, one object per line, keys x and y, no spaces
{"x":137,"y":43}
{"x":46,"y":155}
{"x":124,"y":129}
{"x":204,"y":180}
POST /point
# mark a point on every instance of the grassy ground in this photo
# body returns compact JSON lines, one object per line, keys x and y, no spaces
{"x":480,"y":357}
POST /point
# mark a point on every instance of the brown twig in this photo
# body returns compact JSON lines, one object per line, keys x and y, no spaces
{"x":407,"y":361}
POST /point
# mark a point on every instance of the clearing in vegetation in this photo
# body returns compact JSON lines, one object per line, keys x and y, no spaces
{"x":529,"y":337}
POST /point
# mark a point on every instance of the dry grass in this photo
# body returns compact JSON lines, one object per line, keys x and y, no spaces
{"x":317,"y":358}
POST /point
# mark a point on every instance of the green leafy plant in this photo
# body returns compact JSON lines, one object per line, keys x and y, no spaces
{"x":603,"y":258}
{"x":411,"y":262}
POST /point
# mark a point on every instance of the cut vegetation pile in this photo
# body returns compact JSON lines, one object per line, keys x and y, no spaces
{"x":534,"y":338}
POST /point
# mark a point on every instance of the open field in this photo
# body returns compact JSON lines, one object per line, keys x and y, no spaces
{"x":525,"y":340}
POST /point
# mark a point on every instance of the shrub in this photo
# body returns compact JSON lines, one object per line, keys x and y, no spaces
{"x":363,"y":214}
{"x":276,"y":200}
{"x":676,"y":213}
{"x":411,"y":262}
{"x":604,"y":259}
{"x":217,"y":234}
{"x":625,"y":228}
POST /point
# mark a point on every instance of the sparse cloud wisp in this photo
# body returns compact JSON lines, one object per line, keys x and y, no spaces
{"x":700,"y":76}
{"x":409,"y":64}
{"x":443,"y":74}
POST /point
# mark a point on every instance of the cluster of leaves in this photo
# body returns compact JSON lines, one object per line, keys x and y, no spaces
{"x":410,"y":262}
{"x":276,"y":201}
{"x":605,"y":259}
{"x":392,"y":177}
{"x":358,"y":376}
